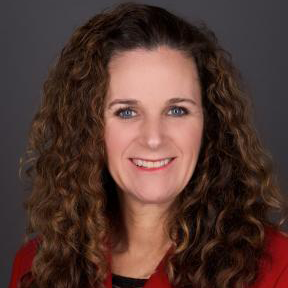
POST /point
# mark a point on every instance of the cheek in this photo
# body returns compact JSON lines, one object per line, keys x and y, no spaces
{"x":189,"y":136}
{"x":117,"y":138}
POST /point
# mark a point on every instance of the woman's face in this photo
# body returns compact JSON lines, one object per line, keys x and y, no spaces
{"x":144,"y":119}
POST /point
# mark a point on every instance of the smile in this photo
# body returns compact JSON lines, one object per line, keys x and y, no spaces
{"x":151,"y":165}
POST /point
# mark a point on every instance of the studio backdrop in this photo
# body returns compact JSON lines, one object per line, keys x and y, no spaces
{"x":33,"y":33}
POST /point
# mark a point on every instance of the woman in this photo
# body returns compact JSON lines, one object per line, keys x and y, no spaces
{"x":145,"y":168}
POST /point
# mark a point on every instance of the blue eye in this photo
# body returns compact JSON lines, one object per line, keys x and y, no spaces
{"x":125,"y":113}
{"x":179,"y":108}
{"x":122,"y":112}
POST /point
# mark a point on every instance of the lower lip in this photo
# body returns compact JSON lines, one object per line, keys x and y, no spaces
{"x":152,"y":169}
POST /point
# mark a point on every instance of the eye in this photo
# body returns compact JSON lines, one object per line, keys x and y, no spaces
{"x":124,"y":112}
{"x":179,"y":108}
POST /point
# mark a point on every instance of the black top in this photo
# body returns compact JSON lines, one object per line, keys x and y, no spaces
{"x":119,"y":281}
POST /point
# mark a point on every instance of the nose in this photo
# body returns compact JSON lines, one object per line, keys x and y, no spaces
{"x":152,"y":133}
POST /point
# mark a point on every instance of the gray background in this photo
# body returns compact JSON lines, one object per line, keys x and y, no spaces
{"x":33,"y":33}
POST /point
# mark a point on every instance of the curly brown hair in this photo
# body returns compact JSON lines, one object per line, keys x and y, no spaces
{"x":218,"y":221}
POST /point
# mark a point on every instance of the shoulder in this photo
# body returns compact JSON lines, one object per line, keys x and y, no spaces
{"x":23,"y":261}
{"x":274,"y":270}
{"x":277,"y":240}
{"x":277,"y":246}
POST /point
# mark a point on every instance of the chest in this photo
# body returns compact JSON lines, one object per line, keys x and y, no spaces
{"x":134,"y":267}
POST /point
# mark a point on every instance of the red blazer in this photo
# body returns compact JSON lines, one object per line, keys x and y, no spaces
{"x":275,"y":276}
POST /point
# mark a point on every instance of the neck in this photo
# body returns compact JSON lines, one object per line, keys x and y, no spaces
{"x":145,"y":227}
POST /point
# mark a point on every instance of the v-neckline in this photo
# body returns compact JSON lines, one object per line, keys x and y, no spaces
{"x":158,"y":279}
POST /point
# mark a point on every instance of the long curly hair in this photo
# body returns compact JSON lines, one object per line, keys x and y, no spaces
{"x":218,"y":222}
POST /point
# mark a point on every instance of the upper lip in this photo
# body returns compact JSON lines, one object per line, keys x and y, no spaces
{"x":152,"y":160}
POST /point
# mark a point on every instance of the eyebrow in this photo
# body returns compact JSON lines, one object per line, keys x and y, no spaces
{"x":135,"y":102}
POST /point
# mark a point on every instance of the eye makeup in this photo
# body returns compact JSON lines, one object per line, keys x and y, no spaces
{"x":120,"y":111}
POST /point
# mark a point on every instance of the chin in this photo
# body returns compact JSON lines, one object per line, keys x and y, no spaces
{"x":154,"y":199}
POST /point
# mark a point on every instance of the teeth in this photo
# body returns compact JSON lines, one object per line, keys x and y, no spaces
{"x":148,"y":164}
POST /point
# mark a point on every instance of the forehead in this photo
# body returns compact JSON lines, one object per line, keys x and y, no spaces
{"x":152,"y":74}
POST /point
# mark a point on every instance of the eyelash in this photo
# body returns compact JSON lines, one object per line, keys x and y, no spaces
{"x":129,"y":108}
